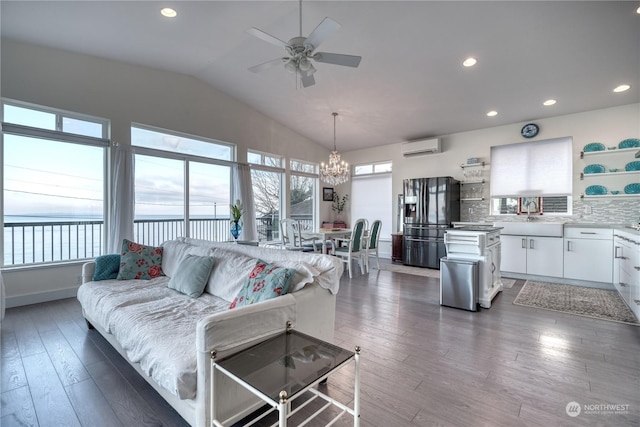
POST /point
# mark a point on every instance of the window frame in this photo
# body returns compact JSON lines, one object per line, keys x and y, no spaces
{"x":315,"y":213}
{"x":59,"y":136}
{"x":187,"y":159}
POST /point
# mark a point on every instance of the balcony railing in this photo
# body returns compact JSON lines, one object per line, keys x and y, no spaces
{"x":44,"y":242}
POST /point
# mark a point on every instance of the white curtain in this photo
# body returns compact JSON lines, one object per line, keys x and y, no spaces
{"x":242,"y":190}
{"x":531,"y":169}
{"x":122,"y":199}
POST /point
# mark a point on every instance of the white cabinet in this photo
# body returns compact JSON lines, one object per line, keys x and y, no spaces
{"x":627,"y":268}
{"x":588,"y":254}
{"x":537,"y":255}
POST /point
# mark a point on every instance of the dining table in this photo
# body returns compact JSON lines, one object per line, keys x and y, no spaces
{"x":326,"y":235}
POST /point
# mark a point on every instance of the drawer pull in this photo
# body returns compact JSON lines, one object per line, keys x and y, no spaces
{"x":587,"y":232}
{"x":636,"y":267}
{"x":623,"y":284}
{"x":637,"y":301}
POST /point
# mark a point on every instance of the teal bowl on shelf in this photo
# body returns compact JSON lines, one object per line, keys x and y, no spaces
{"x":594,"y":169}
{"x":593,"y":146}
{"x":632,"y":188}
{"x":629,"y":143}
{"x":596,"y":190}
{"x":632,"y":166}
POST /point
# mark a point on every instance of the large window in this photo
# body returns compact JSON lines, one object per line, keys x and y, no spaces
{"x":182,"y":186}
{"x":532,"y":169}
{"x":371,"y":195}
{"x":54,"y":184}
{"x":303,"y":193}
{"x":267,"y":171}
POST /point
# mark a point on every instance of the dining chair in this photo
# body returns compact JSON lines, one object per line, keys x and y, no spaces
{"x":291,"y":236}
{"x":288,"y":236}
{"x":353,"y":248}
{"x":372,"y":240}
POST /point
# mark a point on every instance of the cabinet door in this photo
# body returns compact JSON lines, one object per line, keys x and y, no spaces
{"x":514,"y":254}
{"x":587,"y":259}
{"x":544,"y":256}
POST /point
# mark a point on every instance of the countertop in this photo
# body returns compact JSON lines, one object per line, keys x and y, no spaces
{"x":621,"y":227}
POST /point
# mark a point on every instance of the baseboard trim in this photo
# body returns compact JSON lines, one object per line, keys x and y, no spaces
{"x":40,"y":297}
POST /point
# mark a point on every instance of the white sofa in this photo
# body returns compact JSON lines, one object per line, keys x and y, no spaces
{"x":168,"y":337}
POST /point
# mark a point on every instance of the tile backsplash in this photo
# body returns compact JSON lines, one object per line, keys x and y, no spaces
{"x":626,"y":210}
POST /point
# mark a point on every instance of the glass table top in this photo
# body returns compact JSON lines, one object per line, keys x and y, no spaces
{"x":289,"y":361}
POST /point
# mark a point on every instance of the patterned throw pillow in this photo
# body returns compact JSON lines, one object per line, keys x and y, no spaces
{"x":266,"y":281}
{"x":139,"y":261}
{"x":107,"y":267}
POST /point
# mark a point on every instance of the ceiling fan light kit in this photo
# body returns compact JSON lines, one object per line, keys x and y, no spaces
{"x":301,"y":51}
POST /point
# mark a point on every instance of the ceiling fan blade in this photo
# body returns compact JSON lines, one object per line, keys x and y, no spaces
{"x":322,"y":32}
{"x":308,"y":80}
{"x":267,"y":37}
{"x":337,"y":59}
{"x":267,"y":65}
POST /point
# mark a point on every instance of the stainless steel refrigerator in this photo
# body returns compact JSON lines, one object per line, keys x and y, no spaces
{"x":431,"y":205}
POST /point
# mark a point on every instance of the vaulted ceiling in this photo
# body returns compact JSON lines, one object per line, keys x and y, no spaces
{"x":410,"y":83}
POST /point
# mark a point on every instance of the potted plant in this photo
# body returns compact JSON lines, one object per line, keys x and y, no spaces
{"x":338,"y":205}
{"x":236,"y":215}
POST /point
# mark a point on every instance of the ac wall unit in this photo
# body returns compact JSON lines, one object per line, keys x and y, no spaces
{"x":422,"y":146}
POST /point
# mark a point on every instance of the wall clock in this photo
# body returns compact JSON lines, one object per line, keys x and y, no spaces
{"x":529,"y":130}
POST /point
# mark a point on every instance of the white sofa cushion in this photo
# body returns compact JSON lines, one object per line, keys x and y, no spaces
{"x":155,"y":325}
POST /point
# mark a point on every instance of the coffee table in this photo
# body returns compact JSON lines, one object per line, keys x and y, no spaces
{"x":283,"y":368}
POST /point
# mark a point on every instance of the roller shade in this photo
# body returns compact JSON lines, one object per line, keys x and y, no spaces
{"x":535,"y":168}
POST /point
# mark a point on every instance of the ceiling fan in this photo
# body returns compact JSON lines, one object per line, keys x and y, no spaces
{"x":301,"y":51}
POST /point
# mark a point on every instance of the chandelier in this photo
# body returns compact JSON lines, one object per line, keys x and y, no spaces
{"x":336,"y":172}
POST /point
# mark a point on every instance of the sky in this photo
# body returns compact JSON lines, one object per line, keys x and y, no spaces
{"x":73,"y":183}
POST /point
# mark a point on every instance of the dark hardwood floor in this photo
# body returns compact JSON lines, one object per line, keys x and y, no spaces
{"x":422,"y":364}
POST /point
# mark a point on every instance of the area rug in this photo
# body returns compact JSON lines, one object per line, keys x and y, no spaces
{"x":427,"y":272}
{"x":578,"y":300}
{"x":416,"y":271}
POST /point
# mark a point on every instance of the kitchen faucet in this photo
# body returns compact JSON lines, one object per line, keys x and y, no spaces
{"x":529,"y":217}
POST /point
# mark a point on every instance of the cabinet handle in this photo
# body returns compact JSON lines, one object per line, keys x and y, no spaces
{"x":530,"y":243}
{"x":615,"y":252}
{"x":568,"y":245}
{"x":524,"y":243}
{"x":587,"y":232}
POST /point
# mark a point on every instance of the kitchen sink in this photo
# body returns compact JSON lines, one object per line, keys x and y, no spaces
{"x":549,"y":229}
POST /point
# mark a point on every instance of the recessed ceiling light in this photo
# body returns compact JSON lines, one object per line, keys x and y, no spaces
{"x":622,"y":88}
{"x":638,"y":10}
{"x":549,"y":102}
{"x":492,"y":113}
{"x":469,"y":62}
{"x":168,"y":12}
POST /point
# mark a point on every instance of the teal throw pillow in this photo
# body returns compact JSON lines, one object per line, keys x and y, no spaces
{"x":139,"y":261}
{"x":107,"y":267}
{"x":192,"y":275}
{"x":265,"y":281}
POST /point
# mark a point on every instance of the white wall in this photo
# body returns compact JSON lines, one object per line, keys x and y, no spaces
{"x":608,"y":126}
{"x":124,"y":94}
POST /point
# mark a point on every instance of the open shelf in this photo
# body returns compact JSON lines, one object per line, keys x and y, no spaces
{"x":584,"y":154}
{"x":593,"y":175}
